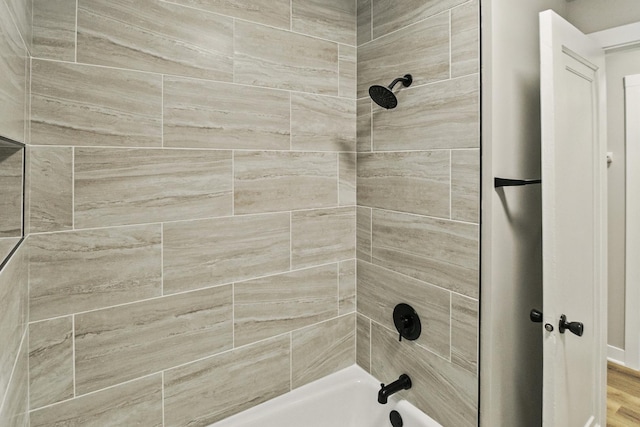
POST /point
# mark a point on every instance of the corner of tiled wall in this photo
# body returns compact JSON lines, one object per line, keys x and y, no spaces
{"x":192,"y":213}
{"x":418,"y":200}
{"x":15,"y":45}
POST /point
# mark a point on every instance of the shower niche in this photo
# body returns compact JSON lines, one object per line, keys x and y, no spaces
{"x":12,"y":161}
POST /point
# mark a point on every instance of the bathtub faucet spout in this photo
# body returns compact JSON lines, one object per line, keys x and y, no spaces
{"x":402,"y":383}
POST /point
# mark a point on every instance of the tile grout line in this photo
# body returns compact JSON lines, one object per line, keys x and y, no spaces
{"x":226,"y":82}
{"x":420,"y":280}
{"x":233,"y":315}
{"x":290,"y":241}
{"x":90,"y":393}
{"x":211,"y":218}
{"x":420,"y":21}
{"x":200,"y":359}
{"x":248,"y":21}
{"x":175,"y":294}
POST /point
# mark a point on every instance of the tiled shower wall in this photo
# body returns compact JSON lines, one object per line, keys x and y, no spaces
{"x":15,"y":38}
{"x":192,"y":245}
{"x":418,"y":200}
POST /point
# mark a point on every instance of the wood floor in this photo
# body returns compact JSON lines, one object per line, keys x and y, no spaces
{"x":623,"y":396}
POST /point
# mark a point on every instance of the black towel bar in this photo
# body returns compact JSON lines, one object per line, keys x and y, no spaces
{"x":506,"y":182}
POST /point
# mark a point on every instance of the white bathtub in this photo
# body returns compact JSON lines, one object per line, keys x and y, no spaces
{"x":347,"y":398}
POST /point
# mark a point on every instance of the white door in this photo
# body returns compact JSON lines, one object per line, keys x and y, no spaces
{"x":573,"y":224}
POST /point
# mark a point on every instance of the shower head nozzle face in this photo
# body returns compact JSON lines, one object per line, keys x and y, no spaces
{"x":383,"y":97}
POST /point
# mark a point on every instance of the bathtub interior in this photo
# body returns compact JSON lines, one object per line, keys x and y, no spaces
{"x":347,"y":398}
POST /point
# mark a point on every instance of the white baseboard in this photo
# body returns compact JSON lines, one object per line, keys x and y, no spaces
{"x":615,"y":355}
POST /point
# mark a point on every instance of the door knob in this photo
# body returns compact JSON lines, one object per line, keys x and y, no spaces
{"x":576,"y":328}
{"x":535,"y":316}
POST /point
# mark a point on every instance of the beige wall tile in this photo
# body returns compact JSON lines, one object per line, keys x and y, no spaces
{"x":54,"y":29}
{"x":279,"y":181}
{"x":135,"y":403}
{"x":363,"y":233}
{"x":465,"y":185}
{"x":447,"y":393}
{"x":274,"y":305}
{"x":322,"y":236}
{"x":13,"y":314}
{"x":322,"y":349}
{"x":210,"y":252}
{"x":50,"y":361}
{"x":327,"y":19}
{"x":21,"y":10}
{"x":151,"y":35}
{"x":51,"y":191}
{"x":266,"y":56}
{"x":6,"y":245}
{"x":363,"y":342}
{"x":11,"y":202}
{"x":250,"y":375}
{"x":14,"y":411}
{"x":13,"y":60}
{"x":348,"y":71}
{"x":465,"y":39}
{"x":84,"y":270}
{"x":364,"y":21}
{"x":126,"y":342}
{"x":421,"y":50}
{"x":347,"y":287}
{"x":380,"y":290}
{"x":74,"y":104}
{"x":347,"y":176}
{"x":203,"y":114}
{"x":441,"y":115}
{"x":417,"y":182}
{"x":390,"y":15}
{"x":128,"y":186}
{"x":363,"y":125}
{"x":276,"y":13}
{"x":440,"y":252}
{"x":320,"y":123}
{"x":464,"y":332}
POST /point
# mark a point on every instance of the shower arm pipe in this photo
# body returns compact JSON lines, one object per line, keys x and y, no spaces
{"x":406,"y":81}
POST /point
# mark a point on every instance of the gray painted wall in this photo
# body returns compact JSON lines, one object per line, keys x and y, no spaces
{"x":595,"y":15}
{"x":511,"y":351}
{"x":619,"y":64}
